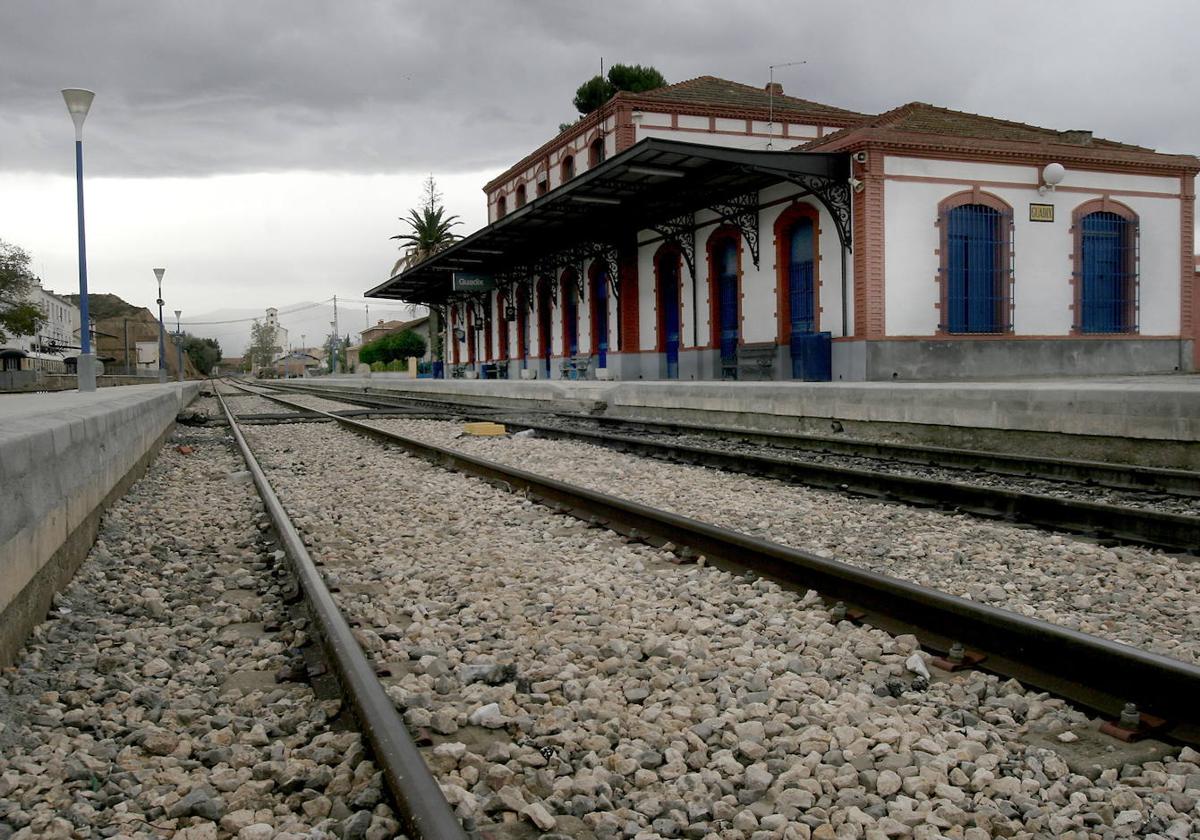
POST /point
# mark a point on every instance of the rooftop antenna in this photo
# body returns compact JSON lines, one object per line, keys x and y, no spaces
{"x":771,"y":99}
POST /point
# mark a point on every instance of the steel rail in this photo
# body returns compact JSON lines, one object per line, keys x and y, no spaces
{"x":1102,"y":473}
{"x":421,"y":806}
{"x":1139,"y":526}
{"x":1095,"y":672}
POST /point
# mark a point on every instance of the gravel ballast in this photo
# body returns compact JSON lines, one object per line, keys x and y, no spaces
{"x":586,"y":686}
{"x":147,"y":704}
{"x":1143,"y":598}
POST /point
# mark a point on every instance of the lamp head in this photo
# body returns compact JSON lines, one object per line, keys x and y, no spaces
{"x":78,"y":102}
{"x":159,"y":272}
{"x":1052,"y":176}
{"x":178,"y":312}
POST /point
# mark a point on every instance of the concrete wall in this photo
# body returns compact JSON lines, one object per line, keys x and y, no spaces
{"x":63,"y":458}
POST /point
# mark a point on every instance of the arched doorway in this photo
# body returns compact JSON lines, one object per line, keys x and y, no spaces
{"x":723,"y":262}
{"x":598,"y":280}
{"x":545,"y":331}
{"x":796,"y":233}
{"x":667,"y":272}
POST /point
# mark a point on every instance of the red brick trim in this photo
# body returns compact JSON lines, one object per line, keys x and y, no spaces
{"x":1095,"y":205}
{"x":1018,"y":185}
{"x":975,"y":195}
{"x":869,"y":262}
{"x":783,"y":298}
{"x":1023,"y":153}
{"x":1189,"y":277}
{"x":668,"y":250}
{"x":722,"y":234}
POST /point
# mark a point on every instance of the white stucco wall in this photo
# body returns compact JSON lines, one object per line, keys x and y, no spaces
{"x":759,"y":301}
{"x":1043,"y":251}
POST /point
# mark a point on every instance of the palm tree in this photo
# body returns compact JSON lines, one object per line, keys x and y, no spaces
{"x":430,"y":228}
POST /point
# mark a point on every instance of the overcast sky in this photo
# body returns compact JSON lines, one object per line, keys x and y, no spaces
{"x":261,"y":151}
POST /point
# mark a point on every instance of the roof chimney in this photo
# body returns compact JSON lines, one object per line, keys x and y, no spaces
{"x":1076,"y":136}
{"x":775,"y":88}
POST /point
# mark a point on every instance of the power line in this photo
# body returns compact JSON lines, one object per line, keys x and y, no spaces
{"x":303,"y":308}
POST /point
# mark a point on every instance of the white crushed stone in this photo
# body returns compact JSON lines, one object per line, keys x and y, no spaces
{"x":615,"y":693}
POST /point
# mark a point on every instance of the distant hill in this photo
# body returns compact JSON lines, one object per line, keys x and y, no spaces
{"x":102,"y":306}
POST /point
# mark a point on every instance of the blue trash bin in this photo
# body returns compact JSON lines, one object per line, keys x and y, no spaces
{"x":812,"y":357}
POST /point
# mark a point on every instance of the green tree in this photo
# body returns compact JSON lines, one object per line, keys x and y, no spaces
{"x":632,"y":77}
{"x":391,"y":348}
{"x":204,"y":352}
{"x":430,"y":229}
{"x":18,"y":315}
{"x":264,"y":345}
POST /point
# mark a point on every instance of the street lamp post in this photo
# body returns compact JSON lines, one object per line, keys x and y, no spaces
{"x":179,"y":343}
{"x":333,"y":343}
{"x":162,"y":341}
{"x":78,"y":102}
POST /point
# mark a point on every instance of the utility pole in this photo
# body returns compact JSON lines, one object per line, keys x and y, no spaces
{"x":771,"y":99}
{"x":336,"y":362}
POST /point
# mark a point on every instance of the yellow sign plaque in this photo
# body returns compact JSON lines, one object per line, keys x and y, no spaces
{"x":1041,"y":212}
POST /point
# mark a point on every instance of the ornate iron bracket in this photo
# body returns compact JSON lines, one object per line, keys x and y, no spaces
{"x":835,"y":195}
{"x":681,"y":231}
{"x":742,"y":212}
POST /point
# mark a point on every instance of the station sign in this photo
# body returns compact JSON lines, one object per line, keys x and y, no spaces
{"x":1041,"y":212}
{"x":465,"y":281}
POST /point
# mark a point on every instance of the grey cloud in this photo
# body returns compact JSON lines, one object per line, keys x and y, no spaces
{"x":190,"y":88}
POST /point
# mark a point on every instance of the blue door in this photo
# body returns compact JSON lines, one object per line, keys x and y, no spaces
{"x":600,"y":316}
{"x":801,"y":292}
{"x":975,"y":278}
{"x":668,"y":306}
{"x":1105,"y":296}
{"x":725,"y":257}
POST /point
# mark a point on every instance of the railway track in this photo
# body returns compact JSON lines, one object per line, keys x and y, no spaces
{"x":1095,"y":673}
{"x":420,"y":803}
{"x":1140,"y":506}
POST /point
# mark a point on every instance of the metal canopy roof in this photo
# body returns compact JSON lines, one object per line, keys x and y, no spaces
{"x":646,"y":185}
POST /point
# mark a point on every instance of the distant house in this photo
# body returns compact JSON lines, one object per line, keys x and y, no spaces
{"x":296,"y":364}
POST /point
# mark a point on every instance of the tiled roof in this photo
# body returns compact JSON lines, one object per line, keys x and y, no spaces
{"x":923,"y":118}
{"x":713,"y":92}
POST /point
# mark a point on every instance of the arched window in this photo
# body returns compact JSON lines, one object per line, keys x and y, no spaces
{"x":1106,"y":264}
{"x":501,"y":207}
{"x":976,"y":267}
{"x":568,"y":168}
{"x":798,"y":281}
{"x":569,"y":295}
{"x":487,"y":328}
{"x":596,"y":152}
{"x":724,"y":281}
{"x":668,"y":274}
{"x":521,"y":196}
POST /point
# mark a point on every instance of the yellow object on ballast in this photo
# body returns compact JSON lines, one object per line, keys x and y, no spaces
{"x":484,"y":429}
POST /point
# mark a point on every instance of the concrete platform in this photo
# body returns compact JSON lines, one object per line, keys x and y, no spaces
{"x":1137,"y":419}
{"x":64,"y":457}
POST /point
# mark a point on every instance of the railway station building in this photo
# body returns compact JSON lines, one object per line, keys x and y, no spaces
{"x":712,"y":230}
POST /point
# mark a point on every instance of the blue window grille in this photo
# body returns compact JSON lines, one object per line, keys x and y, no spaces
{"x":1107,"y":278}
{"x":802,"y":308}
{"x":668,"y":303}
{"x":600,"y":316}
{"x":725,"y":260}
{"x":977,"y":277}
